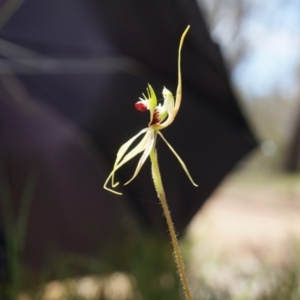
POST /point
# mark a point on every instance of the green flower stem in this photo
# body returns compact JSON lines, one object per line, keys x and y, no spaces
{"x":162,"y":197}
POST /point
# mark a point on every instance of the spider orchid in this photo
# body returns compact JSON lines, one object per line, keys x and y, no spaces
{"x":161,"y":116}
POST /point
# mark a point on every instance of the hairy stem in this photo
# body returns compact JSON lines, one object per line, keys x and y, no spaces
{"x":162,"y":197}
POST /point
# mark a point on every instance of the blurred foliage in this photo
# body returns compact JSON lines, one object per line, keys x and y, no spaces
{"x":149,"y":273}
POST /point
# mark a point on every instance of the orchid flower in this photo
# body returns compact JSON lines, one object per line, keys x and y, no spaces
{"x":161,"y":116}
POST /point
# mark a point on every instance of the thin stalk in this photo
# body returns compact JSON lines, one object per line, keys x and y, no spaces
{"x":162,"y":197}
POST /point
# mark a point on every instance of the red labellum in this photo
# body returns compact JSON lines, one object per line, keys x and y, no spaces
{"x":155,"y":118}
{"x":140,"y":106}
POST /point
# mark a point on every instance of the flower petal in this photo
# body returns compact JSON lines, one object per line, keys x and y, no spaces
{"x":149,"y":147}
{"x":136,"y":150}
{"x":152,"y":101}
{"x":168,"y":101}
{"x":171,"y":117}
{"x":121,"y":159}
{"x":125,"y":146}
{"x":179,"y":159}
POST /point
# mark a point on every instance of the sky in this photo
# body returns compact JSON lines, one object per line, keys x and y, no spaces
{"x":271,"y":30}
{"x":274,"y":60}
